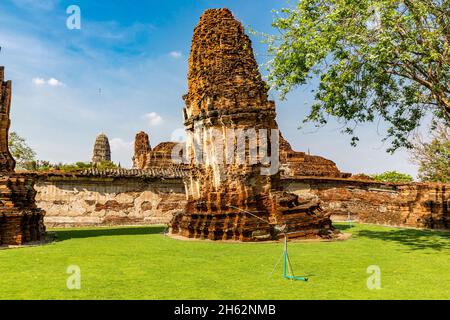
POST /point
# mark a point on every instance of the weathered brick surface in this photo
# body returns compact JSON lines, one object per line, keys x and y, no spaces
{"x":7,"y":163}
{"x":142,"y":149}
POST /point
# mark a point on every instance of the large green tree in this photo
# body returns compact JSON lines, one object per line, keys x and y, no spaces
{"x":22,"y":153}
{"x":385,"y":59}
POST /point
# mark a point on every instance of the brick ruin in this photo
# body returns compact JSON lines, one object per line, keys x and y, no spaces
{"x":20,"y":219}
{"x":142,"y":149}
{"x":300,"y":164}
{"x":232,"y":201}
{"x":210,"y":200}
{"x":414,"y":205}
{"x":102,"y":149}
{"x":159,"y":157}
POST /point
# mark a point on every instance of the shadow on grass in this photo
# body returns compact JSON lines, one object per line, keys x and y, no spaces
{"x":413,"y":239}
{"x":343,"y":227}
{"x":63,"y":235}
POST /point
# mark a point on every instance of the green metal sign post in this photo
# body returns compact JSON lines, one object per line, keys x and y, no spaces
{"x":287,"y":270}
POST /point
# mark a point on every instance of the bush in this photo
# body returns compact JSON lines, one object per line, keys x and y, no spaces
{"x":105,"y":165}
{"x":393,"y":176}
{"x":45,"y":166}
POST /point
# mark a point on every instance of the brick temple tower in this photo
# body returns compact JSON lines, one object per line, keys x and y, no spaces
{"x":20,"y":220}
{"x":102,"y":149}
{"x":145,"y":157}
{"x":235,"y":200}
{"x":142,"y":150}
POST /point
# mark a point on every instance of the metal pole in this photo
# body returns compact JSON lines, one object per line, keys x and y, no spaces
{"x":285,"y":257}
{"x":287,"y":263}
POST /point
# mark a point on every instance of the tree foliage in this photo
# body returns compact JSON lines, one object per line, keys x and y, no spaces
{"x":383,"y":59}
{"x":433,"y":157}
{"x":104,"y":165}
{"x":20,"y":150}
{"x":393,"y":176}
{"x":45,"y":166}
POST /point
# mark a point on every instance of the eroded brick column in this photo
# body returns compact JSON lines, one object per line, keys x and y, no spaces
{"x":20,"y":220}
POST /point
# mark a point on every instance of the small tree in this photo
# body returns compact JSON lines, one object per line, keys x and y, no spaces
{"x":22,"y":153}
{"x":433,"y":158}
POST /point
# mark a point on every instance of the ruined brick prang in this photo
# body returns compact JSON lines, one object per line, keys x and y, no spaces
{"x":142,"y":149}
{"x":102,"y":149}
{"x":226,"y":92}
{"x":20,"y":220}
{"x":160,"y":157}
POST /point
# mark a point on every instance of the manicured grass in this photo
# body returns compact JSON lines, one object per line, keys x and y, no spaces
{"x":140,"y":263}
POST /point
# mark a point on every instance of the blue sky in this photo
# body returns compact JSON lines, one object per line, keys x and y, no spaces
{"x":126,"y":71}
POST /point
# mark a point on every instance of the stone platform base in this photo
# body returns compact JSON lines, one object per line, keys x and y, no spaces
{"x":262,"y":218}
{"x":48,"y":238}
{"x":244,"y":228}
{"x":20,"y":220}
{"x":20,"y":228}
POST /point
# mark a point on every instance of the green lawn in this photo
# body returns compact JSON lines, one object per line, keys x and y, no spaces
{"x":140,"y":263}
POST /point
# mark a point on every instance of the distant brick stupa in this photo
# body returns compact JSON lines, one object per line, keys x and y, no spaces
{"x":102,"y":149}
{"x":20,"y":220}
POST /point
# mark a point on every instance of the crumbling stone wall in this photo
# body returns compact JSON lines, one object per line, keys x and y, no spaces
{"x":95,"y":200}
{"x":72,"y":201}
{"x":418,"y":205}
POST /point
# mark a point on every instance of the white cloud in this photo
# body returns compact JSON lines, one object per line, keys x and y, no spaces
{"x":176,"y":54}
{"x":38,"y":81}
{"x":153,"y":118}
{"x":52,"y":82}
